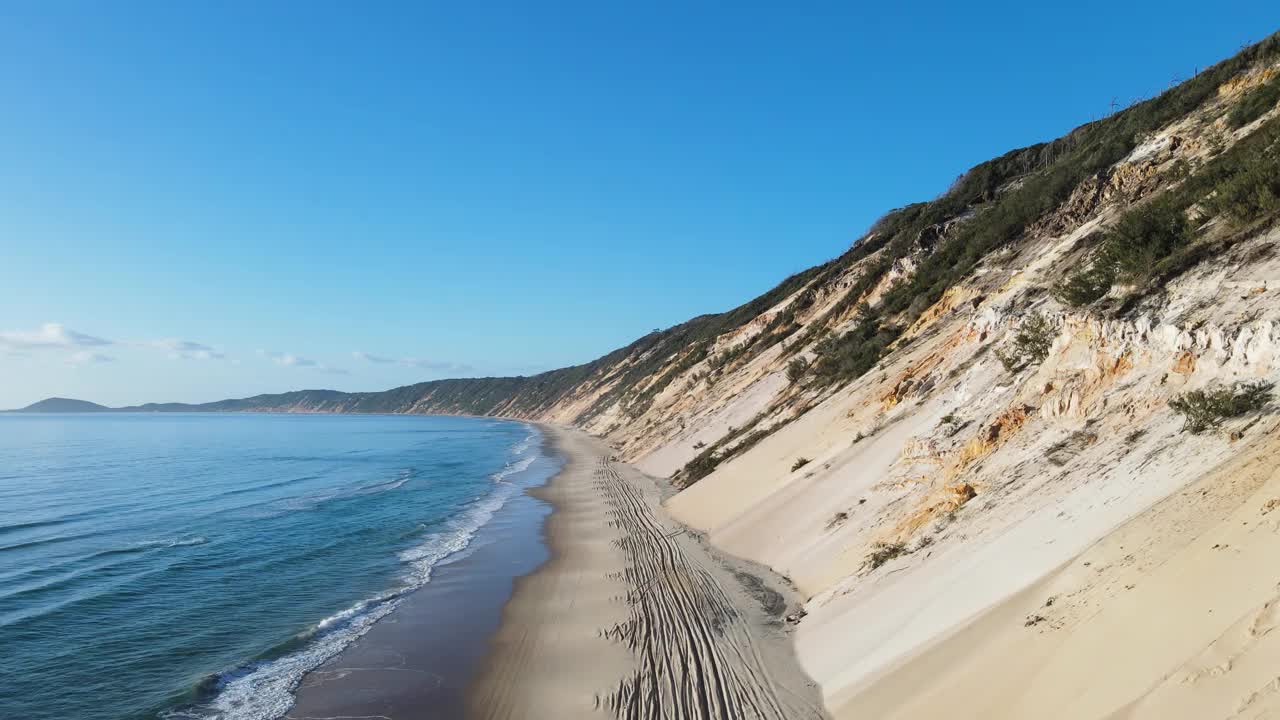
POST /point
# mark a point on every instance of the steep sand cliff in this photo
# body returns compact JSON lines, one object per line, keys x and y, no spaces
{"x":1048,"y":542}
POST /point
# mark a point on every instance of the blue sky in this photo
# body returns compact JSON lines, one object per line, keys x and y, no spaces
{"x":209,"y":200}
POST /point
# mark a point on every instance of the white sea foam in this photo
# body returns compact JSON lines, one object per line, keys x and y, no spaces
{"x":523,"y":446}
{"x":524,"y":458}
{"x":265,"y":690}
{"x":185,"y":541}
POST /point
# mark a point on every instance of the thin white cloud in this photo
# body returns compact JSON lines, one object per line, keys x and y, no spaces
{"x":436,"y":365}
{"x":88,"y":357}
{"x":187,"y":350}
{"x":56,"y":336}
{"x":291,"y":360}
{"x":295,"y":361}
{"x":50,"y":335}
{"x":419,"y":363}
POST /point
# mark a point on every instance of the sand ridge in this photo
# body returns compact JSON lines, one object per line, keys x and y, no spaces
{"x":633,"y":617}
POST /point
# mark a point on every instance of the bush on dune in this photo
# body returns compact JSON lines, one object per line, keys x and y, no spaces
{"x":797,"y":369}
{"x":1144,"y":236}
{"x":850,"y":354}
{"x":1086,"y":286}
{"x":1152,"y":241}
{"x":1030,"y":345}
{"x":1252,"y":194}
{"x":1207,"y":409}
{"x":883,"y":552}
{"x":1255,"y":103}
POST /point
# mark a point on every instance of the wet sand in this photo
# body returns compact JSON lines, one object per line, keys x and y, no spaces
{"x":635,"y":617}
{"x":416,"y":662}
{"x":604,"y":608}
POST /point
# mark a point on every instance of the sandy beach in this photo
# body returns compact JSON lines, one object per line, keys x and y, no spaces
{"x":418,"y":661}
{"x":635,"y":617}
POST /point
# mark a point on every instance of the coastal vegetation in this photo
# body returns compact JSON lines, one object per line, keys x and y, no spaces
{"x":1030,"y":344}
{"x":883,"y":552}
{"x":1050,"y":172}
{"x":702,"y":465}
{"x":850,"y":354}
{"x":1255,"y":103}
{"x":1207,"y":409}
{"x":1151,"y":243}
{"x":797,"y":369}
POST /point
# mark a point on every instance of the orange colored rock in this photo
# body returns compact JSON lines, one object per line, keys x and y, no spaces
{"x":962,"y":493}
{"x":1185,"y":364}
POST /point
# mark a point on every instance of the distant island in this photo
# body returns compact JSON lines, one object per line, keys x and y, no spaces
{"x":63,"y":405}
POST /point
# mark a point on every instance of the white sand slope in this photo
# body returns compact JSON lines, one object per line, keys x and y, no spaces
{"x":1169,"y":617}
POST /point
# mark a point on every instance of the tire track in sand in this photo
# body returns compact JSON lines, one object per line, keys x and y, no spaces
{"x":696,"y":656}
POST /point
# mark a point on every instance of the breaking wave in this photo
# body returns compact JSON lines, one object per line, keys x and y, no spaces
{"x":264,"y":689}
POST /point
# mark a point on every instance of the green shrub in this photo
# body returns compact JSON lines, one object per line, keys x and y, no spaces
{"x":1030,"y":345}
{"x":1144,"y":236}
{"x":1249,"y":195}
{"x":1255,"y":103}
{"x":702,"y":465}
{"x":799,"y":463}
{"x":1206,"y":409}
{"x":797,"y":369}
{"x":849,"y":355}
{"x":1152,"y":243}
{"x":1087,"y":285}
{"x":882,"y":553}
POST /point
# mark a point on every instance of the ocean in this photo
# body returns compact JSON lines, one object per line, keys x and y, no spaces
{"x":183,"y":566}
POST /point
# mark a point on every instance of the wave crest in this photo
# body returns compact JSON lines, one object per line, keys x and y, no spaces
{"x":264,"y":690}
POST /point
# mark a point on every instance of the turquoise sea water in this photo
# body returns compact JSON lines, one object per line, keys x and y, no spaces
{"x":195,"y":566}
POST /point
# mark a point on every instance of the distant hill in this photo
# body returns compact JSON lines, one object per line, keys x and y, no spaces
{"x":296,"y":401}
{"x":63,"y":405}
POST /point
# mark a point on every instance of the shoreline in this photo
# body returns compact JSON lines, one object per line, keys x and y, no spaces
{"x":418,"y":660}
{"x":634,"y":614}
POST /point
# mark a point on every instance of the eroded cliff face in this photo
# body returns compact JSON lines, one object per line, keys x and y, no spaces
{"x":911,"y":500}
{"x":940,"y":484}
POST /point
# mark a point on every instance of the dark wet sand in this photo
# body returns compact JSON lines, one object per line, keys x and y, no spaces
{"x":415,"y":663}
